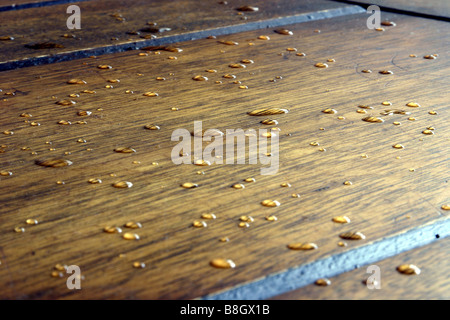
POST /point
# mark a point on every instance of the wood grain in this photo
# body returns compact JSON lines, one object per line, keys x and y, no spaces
{"x":386,"y":198}
{"x":106,"y":25}
{"x":432,"y":283}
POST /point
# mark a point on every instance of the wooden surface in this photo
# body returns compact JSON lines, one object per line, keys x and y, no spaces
{"x":105,"y":25}
{"x":431,"y":283}
{"x":439,"y":8}
{"x":389,"y":196}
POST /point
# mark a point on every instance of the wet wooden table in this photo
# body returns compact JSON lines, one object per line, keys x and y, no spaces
{"x":87,"y":111}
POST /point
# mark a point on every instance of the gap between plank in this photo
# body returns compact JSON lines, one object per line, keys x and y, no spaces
{"x":328,"y":267}
{"x":271,"y":23}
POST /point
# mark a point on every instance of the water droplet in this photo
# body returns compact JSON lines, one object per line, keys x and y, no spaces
{"x":348,"y":183}
{"x":361,"y":111}
{"x":57,"y":274}
{"x":139,"y":265}
{"x":379,"y":29}
{"x":150,"y":94}
{"x":84,"y":113}
{"x":430,"y":56}
{"x":445,"y":207}
{"x":412,"y":119}
{"x":321,"y":65}
{"x":5,"y":173}
{"x":373,"y":119}
{"x":65,"y":102}
{"x":352,"y":236}
{"x":222,"y":263}
{"x":133,"y":225}
{"x":314,"y":143}
{"x":385,"y":72}
{"x":398,"y":146}
{"x":104,"y":66}
{"x":300,"y":54}
{"x":200,"y":78}
{"x":237,"y":65}
{"x":302,"y":246}
{"x":208,"y":216}
{"x":6,"y":38}
{"x":266,"y":112}
{"x":31,"y":221}
{"x":81,"y":140}
{"x":243,"y":87}
{"x":25,"y":115}
{"x":271,"y":218}
{"x":342,"y":244}
{"x":238,"y":186}
{"x":199,"y":224}
{"x":124,"y":150}
{"x":291,"y":49}
{"x":122,"y":184}
{"x":130,"y":236}
{"x":250,"y":180}
{"x":413,"y":104}
{"x":94,"y":181}
{"x":89,"y":91}
{"x":54,"y":163}
{"x":323,"y":282}
{"x":366,"y":71}
{"x":285,"y":185}
{"x":76,"y":81}
{"x":19,"y":229}
{"x":229,"y":42}
{"x":248,"y":8}
{"x":388,"y":23}
{"x":341,"y":219}
{"x":246,"y":218}
{"x":244,"y":225}
{"x":408,"y":269}
{"x":329,"y":111}
{"x":229,"y":76}
{"x":427,"y":132}
{"x":64,"y":122}
{"x":270,"y":203}
{"x":341,"y":118}
{"x":285,"y":32}
{"x":111,"y":229}
{"x":263,"y":37}
{"x":331,"y":60}
{"x":189,"y":185}
{"x":396,"y":123}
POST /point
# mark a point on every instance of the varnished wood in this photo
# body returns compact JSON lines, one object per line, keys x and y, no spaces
{"x":106,"y":25}
{"x":385,"y":199}
{"x":432,"y":283}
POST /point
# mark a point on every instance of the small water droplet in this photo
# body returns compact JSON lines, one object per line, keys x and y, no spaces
{"x":19,"y":229}
{"x":302,"y":246}
{"x":270,"y":203}
{"x":199,"y":224}
{"x":342,"y":244}
{"x":104,"y":66}
{"x":398,"y":146}
{"x":237,"y":65}
{"x":397,"y":123}
{"x":5,"y":173}
{"x":112,"y":229}
{"x":329,"y":111}
{"x":238,"y":186}
{"x":321,"y":65}
{"x":54,"y":163}
{"x":385,"y":72}
{"x":208,"y":216}
{"x":366,"y":71}
{"x":189,"y":185}
{"x":300,"y":54}
{"x":122,"y":184}
{"x":341,"y":219}
{"x":244,"y":225}
{"x":285,"y":32}
{"x":130,"y":236}
{"x":348,"y":183}
{"x":246,"y":218}
{"x":352,"y":236}
{"x":408,"y":269}
{"x":31,"y":221}
{"x":430,"y":56}
{"x":229,"y":42}
{"x":445,"y":207}
{"x":95,"y":181}
{"x":222,"y":263}
{"x":263,"y":37}
{"x":413,"y":104}
{"x":266,"y":112}
{"x":271,"y":218}
{"x":323,"y":282}
{"x":76,"y":81}
{"x":133,"y":225}
{"x":428,"y":132}
{"x":64,"y":122}
{"x":124,"y":150}
{"x":139,"y":265}
{"x":150,"y":94}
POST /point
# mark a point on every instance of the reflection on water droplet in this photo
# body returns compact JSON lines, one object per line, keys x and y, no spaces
{"x":408,"y":269}
{"x":122,"y":184}
{"x":430,"y":56}
{"x":222,"y":263}
{"x":348,"y":183}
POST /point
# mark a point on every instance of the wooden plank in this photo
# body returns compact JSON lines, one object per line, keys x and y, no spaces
{"x":437,"y":8}
{"x":387,"y":198}
{"x":8,"y":5}
{"x":187,"y":20}
{"x":432,"y":283}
